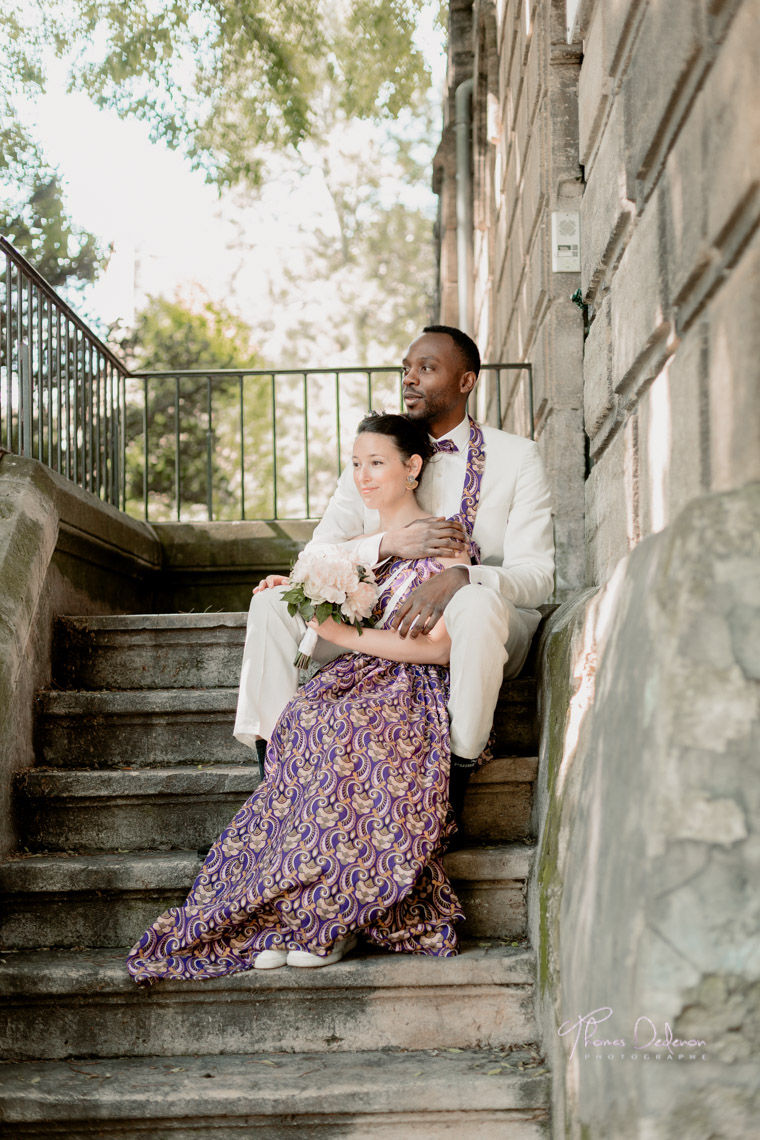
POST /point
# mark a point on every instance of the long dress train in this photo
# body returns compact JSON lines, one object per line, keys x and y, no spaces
{"x":345,"y":834}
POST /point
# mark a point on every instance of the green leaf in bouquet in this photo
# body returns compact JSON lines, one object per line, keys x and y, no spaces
{"x":324,"y":610}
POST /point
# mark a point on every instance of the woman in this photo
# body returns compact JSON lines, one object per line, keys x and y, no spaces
{"x":347,"y":831}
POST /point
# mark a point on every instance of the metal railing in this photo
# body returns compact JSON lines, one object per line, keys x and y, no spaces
{"x":196,"y":444}
{"x":62,"y":391}
{"x":274,"y":439}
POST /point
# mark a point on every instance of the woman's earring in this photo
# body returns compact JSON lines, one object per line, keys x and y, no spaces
{"x":412,"y":483}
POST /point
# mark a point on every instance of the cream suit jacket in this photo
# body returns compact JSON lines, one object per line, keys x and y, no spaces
{"x":513,"y":526}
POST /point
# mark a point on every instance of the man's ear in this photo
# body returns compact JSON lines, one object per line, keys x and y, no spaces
{"x":467,"y":381}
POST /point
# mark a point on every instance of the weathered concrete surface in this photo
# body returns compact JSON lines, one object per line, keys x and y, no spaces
{"x":214,"y":565}
{"x":87,"y":809}
{"x":143,"y":651}
{"x":152,"y":727}
{"x":353,"y":1095}
{"x":110,"y":899}
{"x":61,"y":549}
{"x":644,"y":899}
{"x":161,"y":727}
{"x":58,"y":1005}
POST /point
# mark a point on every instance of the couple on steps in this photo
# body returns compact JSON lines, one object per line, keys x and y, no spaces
{"x":367,"y":763}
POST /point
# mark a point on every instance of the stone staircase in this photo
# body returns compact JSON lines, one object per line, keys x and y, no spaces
{"x":130,"y":781}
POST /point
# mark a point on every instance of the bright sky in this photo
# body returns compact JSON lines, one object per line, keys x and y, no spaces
{"x":168,"y":229}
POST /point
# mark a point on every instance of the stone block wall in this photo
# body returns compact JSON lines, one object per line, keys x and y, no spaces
{"x":649,"y":123}
{"x":669,"y":137}
{"x":525,"y":164}
{"x":644,"y":905}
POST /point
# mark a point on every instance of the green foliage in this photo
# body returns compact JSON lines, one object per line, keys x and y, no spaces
{"x":33,"y":215}
{"x":40,"y":228}
{"x":228,"y":80}
{"x":170,"y":336}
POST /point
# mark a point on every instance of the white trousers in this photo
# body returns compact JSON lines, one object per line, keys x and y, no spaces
{"x":487,"y":634}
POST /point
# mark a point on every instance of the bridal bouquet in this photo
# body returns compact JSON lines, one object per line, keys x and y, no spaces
{"x":329,"y":581}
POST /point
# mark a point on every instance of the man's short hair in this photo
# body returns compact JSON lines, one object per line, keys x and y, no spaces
{"x":468,"y":349}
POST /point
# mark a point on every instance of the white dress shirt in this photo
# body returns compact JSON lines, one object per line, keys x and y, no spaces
{"x":513,"y":525}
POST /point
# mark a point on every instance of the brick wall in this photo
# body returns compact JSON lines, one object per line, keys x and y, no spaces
{"x":650,"y":124}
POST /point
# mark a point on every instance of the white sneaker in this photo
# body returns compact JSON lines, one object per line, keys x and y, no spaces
{"x":270,"y":959}
{"x":303,"y":958}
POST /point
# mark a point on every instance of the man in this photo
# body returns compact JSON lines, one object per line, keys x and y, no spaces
{"x":489,"y":610}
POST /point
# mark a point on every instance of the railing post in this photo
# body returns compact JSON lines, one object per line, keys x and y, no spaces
{"x":209,"y":454}
{"x":177,"y":489}
{"x":26,"y":411}
{"x":306,"y":441}
{"x":145,"y":447}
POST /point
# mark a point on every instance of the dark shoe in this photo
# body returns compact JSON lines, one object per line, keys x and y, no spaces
{"x":459,"y":778}
{"x":261,"y":753}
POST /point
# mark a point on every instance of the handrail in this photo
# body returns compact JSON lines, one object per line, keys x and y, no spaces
{"x":231,"y":443}
{"x":62,"y":306}
{"x":62,"y":390}
{"x":277,"y":415}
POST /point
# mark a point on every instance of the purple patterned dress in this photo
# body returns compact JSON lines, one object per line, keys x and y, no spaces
{"x":345,"y":834}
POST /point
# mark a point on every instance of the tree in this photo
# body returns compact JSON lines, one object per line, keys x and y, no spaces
{"x":228,"y":81}
{"x":33,"y":214}
{"x":172,"y":336}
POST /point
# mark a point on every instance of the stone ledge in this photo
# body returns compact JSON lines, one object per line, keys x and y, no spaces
{"x":176,"y":870}
{"x":89,"y":783}
{"x":341,"y":1085}
{"x":101,"y":626}
{"x":27,"y":975}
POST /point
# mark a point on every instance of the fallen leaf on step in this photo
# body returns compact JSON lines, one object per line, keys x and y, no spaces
{"x":180,"y":1070}
{"x":494,"y":1072}
{"x":35,"y":1080}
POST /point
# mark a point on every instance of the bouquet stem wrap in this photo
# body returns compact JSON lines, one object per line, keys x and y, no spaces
{"x":328,"y":581}
{"x":305,"y":649}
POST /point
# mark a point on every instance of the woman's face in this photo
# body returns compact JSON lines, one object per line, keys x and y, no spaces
{"x":381,"y":471}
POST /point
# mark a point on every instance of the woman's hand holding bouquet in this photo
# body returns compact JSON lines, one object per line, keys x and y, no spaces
{"x":328,"y":581}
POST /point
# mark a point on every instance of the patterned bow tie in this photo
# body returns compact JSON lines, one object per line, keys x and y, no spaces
{"x":447,"y":445}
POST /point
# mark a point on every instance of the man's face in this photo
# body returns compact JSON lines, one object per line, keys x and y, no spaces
{"x":433,"y":370}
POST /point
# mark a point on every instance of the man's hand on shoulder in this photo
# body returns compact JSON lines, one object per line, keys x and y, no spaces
{"x":425,"y":605}
{"x":425,"y":538}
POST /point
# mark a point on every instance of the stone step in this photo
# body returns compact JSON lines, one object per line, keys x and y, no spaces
{"x":166,"y":727}
{"x":107,"y":900}
{"x":434,"y":1095}
{"x":149,"y":651}
{"x":64,"y":1004}
{"x":185,"y":807}
{"x":153,"y":651}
